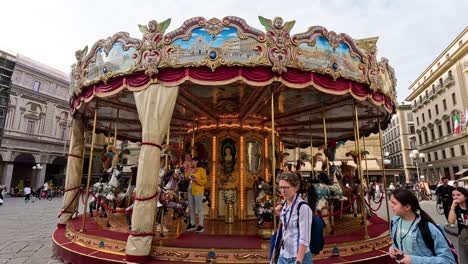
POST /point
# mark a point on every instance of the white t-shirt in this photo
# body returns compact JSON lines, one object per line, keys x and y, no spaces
{"x":27,"y":190}
{"x":46,"y":186}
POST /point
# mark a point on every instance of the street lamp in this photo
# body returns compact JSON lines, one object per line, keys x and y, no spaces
{"x":417,"y":157}
{"x":36,"y":168}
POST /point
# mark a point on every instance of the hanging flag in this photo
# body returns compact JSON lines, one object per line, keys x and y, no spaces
{"x":456,"y":123}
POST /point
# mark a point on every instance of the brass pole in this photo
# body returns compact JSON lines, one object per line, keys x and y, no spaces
{"x":193,"y":141}
{"x":383,"y":170}
{"x":89,"y":171}
{"x":363,"y":211}
{"x":84,"y":148}
{"x":365,"y":159}
{"x":273,"y":161}
{"x":167,"y":145}
{"x":311,"y":151}
{"x":115,"y":128}
{"x":325,"y":140}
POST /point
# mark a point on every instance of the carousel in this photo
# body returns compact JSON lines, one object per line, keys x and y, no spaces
{"x":235,"y":97}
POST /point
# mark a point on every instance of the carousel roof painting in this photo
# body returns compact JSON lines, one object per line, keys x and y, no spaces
{"x":227,"y":73}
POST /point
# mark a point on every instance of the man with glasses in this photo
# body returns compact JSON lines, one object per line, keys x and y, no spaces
{"x":295,"y":221}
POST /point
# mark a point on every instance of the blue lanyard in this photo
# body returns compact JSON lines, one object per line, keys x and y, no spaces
{"x":286,"y":224}
{"x":407,"y":232}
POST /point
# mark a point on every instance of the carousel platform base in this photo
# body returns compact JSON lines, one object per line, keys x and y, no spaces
{"x":219,"y":243}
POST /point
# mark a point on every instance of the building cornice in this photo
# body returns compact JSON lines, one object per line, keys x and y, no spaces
{"x":40,"y":96}
{"x":460,"y":52}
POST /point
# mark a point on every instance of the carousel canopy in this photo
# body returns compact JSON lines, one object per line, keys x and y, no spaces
{"x":227,"y":72}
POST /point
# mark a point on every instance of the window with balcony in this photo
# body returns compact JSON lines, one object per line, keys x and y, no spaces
{"x":36,"y":86}
{"x":429,"y":156}
{"x":411,"y":129}
{"x":425,"y":136}
{"x":462,"y":150}
{"x":454,"y":99}
{"x":436,"y":109}
{"x":444,"y":155}
{"x":420,"y":139}
{"x":452,"y":152}
{"x":449,"y":127}
{"x":441,"y":83}
{"x":436,"y":156}
{"x":444,"y":102}
{"x":429,"y":114}
{"x":450,"y":74}
{"x":432,"y":134}
{"x":433,"y":88}
{"x":63,"y":132}
{"x":439,"y":127}
{"x":409,"y":115}
{"x":30,"y":126}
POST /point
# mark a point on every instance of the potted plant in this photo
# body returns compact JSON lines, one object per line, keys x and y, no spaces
{"x":264,"y":212}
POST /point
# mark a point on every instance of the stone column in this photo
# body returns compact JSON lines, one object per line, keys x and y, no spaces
{"x":40,"y":176}
{"x":7,"y":174}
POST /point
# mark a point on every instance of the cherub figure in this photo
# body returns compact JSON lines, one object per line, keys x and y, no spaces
{"x":278,"y":41}
{"x":152,"y":33}
{"x":78,"y":72}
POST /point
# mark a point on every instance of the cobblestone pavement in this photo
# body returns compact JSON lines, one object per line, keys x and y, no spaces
{"x":26,"y":229}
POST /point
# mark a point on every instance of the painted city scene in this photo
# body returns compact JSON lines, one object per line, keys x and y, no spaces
{"x":227,"y":44}
{"x":322,"y":55}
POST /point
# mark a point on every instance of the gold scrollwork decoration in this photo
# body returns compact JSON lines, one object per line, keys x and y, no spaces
{"x":243,"y":256}
{"x":170,"y":253}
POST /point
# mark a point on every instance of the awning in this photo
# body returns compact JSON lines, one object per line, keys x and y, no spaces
{"x":462,"y":172}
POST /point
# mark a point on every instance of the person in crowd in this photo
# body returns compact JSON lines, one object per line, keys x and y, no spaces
{"x":296,"y":232}
{"x":455,"y":184}
{"x":198,"y":179}
{"x":410,"y":229}
{"x":444,"y":193}
{"x":27,"y":194}
{"x":459,"y":213}
{"x":391,"y":188}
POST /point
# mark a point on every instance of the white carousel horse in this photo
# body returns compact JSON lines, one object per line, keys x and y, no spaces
{"x":169,"y":197}
{"x":109,"y":191}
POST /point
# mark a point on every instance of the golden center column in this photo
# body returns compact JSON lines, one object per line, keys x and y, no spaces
{"x":155,"y":106}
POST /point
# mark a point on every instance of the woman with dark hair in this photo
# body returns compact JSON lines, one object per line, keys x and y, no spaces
{"x":416,"y":238}
{"x":459,"y":213}
{"x":296,"y":223}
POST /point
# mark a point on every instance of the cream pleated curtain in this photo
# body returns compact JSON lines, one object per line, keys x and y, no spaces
{"x":74,"y":171}
{"x":155,"y":106}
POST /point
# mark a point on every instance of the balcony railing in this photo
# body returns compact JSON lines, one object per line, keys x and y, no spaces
{"x":449,"y":81}
{"x":439,"y":88}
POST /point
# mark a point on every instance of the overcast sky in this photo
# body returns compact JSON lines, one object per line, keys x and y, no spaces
{"x":411,"y":33}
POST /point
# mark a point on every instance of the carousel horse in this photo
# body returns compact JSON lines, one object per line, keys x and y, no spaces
{"x":110,"y":191}
{"x":97,"y":190}
{"x":169,"y":197}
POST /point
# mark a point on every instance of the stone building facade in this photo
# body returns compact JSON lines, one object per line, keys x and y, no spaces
{"x":36,"y":126}
{"x":436,"y":96}
{"x":399,"y":140}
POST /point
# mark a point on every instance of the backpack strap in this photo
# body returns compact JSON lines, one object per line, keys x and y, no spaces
{"x":298,"y":231}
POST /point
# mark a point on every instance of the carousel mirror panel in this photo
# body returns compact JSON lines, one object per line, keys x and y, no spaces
{"x":254,"y":156}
